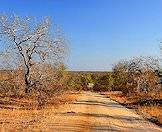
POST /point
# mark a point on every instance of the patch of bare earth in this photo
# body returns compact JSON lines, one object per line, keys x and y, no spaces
{"x":22,"y":113}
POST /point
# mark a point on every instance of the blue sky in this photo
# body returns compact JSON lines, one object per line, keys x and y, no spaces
{"x":100,"y":32}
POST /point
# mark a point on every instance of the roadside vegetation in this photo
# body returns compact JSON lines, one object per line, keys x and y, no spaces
{"x":139,"y":81}
{"x":32,"y":71}
{"x":135,"y":83}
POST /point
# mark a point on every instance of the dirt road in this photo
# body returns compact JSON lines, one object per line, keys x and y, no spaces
{"x":91,"y":112}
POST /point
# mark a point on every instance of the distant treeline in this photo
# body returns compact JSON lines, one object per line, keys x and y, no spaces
{"x":133,"y":76}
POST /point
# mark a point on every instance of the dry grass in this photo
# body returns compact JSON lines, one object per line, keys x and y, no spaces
{"x":151,"y":111}
{"x":15,"y":117}
{"x":29,"y":102}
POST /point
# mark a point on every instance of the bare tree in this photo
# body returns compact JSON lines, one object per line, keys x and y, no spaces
{"x":32,"y":44}
{"x":136,"y":74}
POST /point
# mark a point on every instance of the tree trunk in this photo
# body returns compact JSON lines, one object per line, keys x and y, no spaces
{"x":27,"y":85}
{"x":27,"y":80}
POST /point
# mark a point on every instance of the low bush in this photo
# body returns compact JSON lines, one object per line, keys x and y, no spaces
{"x":102,"y":83}
{"x":136,"y":75}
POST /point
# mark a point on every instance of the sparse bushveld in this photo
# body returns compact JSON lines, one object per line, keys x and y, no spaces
{"x":135,"y":83}
{"x":133,"y":76}
{"x":79,"y":80}
{"x":32,"y":57}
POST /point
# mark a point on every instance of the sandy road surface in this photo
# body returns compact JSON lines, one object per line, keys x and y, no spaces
{"x":91,"y":112}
